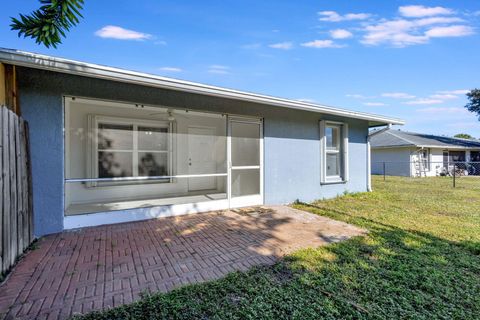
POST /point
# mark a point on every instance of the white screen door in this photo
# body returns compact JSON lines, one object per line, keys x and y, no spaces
{"x":245,"y":162}
{"x":201,"y":157}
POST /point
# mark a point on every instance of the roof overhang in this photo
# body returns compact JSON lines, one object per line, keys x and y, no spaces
{"x":38,"y":61}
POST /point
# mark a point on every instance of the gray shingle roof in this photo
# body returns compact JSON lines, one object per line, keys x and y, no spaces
{"x":396,"y":138}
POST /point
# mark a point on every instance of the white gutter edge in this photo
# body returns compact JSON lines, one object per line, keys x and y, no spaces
{"x":428,"y":146}
{"x":27,"y":59}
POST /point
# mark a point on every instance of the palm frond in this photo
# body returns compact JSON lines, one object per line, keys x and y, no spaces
{"x":48,"y":24}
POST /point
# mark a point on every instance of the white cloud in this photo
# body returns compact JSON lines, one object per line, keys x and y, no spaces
{"x":322,"y":44}
{"x":358,"y":96}
{"x":374,"y":104}
{"x":251,"y":46}
{"x":422,"y":101}
{"x":449,"y":31}
{"x":333,"y":16}
{"x":340,"y":34}
{"x":406,"y":32}
{"x":219,"y":66}
{"x":218,"y":69}
{"x":171,"y":69}
{"x":397,"y":95}
{"x":444,"y":96}
{"x":442,"y":110}
{"x":282,"y":45}
{"x":456,"y":92}
{"x":415,"y":25}
{"x":119,"y":33}
{"x":265,"y":55}
{"x":418,"y":11}
{"x":398,"y":33}
{"x":308,"y":100}
{"x":435,"y":20}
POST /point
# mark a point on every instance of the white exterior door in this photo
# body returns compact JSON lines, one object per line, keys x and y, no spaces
{"x":245,"y":162}
{"x":201,"y":157}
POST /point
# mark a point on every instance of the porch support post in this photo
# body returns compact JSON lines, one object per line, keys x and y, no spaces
{"x":2,"y":85}
{"x":10,"y":89}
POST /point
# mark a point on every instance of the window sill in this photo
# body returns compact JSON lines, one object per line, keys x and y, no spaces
{"x":333,"y":181}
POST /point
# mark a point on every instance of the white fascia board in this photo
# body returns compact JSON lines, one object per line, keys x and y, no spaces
{"x":393,"y":147}
{"x":37,"y":61}
{"x":449,"y":147}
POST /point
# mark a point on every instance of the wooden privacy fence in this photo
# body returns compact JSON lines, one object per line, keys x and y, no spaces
{"x":16,"y":214}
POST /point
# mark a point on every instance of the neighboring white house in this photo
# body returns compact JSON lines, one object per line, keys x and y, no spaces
{"x":402,"y":153}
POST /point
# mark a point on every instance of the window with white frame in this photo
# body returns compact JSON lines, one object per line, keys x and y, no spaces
{"x":334,"y":148}
{"x":129,"y":148}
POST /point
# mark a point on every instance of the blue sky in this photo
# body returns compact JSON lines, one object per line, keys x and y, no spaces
{"x":408,"y":59}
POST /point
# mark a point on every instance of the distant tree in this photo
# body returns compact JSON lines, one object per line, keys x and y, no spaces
{"x":463,"y":136}
{"x":48,"y":24}
{"x":473,"y":104}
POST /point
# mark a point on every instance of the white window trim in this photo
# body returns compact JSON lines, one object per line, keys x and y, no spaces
{"x":92,"y":145}
{"x":324,"y":179}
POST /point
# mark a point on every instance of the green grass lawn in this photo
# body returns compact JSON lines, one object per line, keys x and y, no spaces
{"x":420,"y":260}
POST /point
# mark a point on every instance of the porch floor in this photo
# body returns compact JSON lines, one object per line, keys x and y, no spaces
{"x":106,"y":266}
{"x":83,"y":208}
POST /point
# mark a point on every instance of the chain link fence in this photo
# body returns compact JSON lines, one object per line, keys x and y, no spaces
{"x":458,"y":172}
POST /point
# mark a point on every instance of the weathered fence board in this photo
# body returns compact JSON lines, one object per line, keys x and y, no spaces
{"x":13,"y":187}
{"x":16,"y":215}
{"x":6,"y":191}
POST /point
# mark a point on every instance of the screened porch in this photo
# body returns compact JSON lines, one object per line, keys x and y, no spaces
{"x":120,"y":157}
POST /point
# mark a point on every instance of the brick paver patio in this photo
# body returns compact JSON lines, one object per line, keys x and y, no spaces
{"x":103,"y":267}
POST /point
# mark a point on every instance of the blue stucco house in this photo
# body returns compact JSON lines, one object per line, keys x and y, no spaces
{"x":111,"y":145}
